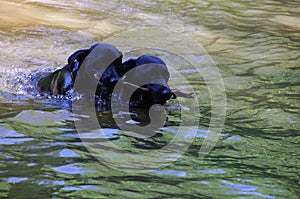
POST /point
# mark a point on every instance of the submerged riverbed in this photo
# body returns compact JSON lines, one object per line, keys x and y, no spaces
{"x":254,"y":45}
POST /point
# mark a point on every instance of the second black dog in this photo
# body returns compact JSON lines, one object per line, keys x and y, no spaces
{"x":152,"y":74}
{"x":97,"y":65}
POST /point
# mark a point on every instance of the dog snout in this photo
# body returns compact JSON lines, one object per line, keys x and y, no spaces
{"x":167,"y":93}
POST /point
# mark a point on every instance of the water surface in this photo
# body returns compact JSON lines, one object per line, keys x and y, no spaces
{"x":256,"y":47}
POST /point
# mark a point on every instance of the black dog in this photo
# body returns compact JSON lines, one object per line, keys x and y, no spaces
{"x":99,"y":59}
{"x":100,"y":70}
{"x":152,"y":74}
{"x":61,"y":81}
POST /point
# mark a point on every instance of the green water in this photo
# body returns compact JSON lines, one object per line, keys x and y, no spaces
{"x":255,"y":46}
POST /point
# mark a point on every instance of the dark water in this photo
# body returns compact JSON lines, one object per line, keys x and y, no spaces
{"x":255,"y":46}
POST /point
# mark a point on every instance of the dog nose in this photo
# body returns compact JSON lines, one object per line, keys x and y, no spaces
{"x":167,"y":93}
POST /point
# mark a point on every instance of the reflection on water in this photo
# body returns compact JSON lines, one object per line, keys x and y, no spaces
{"x":256,"y":48}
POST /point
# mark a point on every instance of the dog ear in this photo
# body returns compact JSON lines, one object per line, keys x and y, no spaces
{"x":78,"y":56}
{"x":76,"y":59}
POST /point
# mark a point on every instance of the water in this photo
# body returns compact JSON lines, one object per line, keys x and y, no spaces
{"x":255,"y":45}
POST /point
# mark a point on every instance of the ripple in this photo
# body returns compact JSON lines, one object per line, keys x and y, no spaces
{"x":213,"y":171}
{"x":67,"y":153}
{"x":52,"y":182}
{"x":241,"y":187}
{"x":9,"y":133}
{"x":171,"y":172}
{"x":16,"y":179}
{"x":72,"y":169}
{"x":12,"y":141}
{"x":83,"y":187}
{"x":42,"y":117}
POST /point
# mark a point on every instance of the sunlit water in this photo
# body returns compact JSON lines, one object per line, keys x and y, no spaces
{"x":256,"y":47}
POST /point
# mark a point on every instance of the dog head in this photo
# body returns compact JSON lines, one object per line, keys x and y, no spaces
{"x":100,"y":68}
{"x":154,"y":71}
{"x":76,"y":59}
{"x":61,"y":81}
